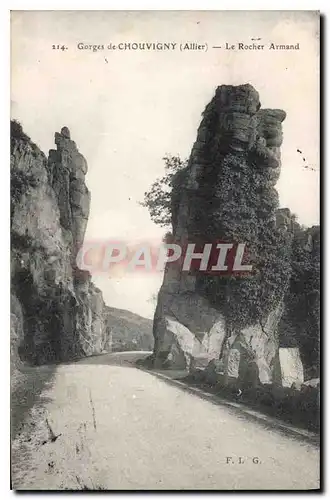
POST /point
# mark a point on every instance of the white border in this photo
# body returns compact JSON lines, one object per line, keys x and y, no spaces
{"x":5,"y":7}
{"x":164,"y":5}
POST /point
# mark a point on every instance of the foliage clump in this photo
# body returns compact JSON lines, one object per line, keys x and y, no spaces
{"x":235,"y":202}
{"x":301,"y":319}
{"x":243,"y":210}
{"x":18,"y":135}
{"x":158,"y":199}
{"x":21,"y":178}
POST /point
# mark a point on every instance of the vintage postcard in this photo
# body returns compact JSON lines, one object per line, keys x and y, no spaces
{"x":165,"y":250}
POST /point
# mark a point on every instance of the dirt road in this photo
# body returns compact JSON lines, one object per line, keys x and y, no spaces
{"x":102,"y":424}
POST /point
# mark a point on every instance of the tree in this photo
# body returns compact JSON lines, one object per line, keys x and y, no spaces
{"x":158,"y":199}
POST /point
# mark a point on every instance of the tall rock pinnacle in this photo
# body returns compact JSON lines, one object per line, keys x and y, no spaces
{"x":227,"y":193}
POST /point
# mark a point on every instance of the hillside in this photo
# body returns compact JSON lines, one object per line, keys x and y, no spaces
{"x":128,"y":331}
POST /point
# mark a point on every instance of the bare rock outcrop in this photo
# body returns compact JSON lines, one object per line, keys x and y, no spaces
{"x":61,"y":309}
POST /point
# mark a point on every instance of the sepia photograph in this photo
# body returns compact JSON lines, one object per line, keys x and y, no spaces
{"x":165,"y":250}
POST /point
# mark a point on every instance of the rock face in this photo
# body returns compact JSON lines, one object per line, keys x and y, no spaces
{"x":292,"y":371}
{"x":226,"y":192}
{"x":58,"y":313}
{"x":186,"y":327}
{"x":252,"y":354}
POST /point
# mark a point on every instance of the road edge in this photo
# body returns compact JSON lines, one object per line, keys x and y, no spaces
{"x":287,"y":428}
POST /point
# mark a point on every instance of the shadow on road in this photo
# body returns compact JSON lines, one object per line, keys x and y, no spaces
{"x":27,"y":385}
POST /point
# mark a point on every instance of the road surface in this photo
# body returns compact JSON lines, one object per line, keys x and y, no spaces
{"x":103,"y":424}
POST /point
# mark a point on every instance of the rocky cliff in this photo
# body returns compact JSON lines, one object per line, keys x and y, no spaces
{"x":227,"y":193}
{"x":57,"y":312}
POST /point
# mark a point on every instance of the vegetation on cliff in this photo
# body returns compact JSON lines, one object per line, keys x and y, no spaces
{"x":300,"y":324}
{"x":21,"y":178}
{"x":226,"y":192}
{"x":242,"y":209}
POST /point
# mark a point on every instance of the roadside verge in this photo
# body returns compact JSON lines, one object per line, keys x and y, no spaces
{"x":240,"y":409}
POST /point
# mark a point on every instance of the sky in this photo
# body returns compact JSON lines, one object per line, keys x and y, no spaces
{"x":127,"y":109}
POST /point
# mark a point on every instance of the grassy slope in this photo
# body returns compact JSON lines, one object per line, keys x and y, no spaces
{"x":129,"y":330}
